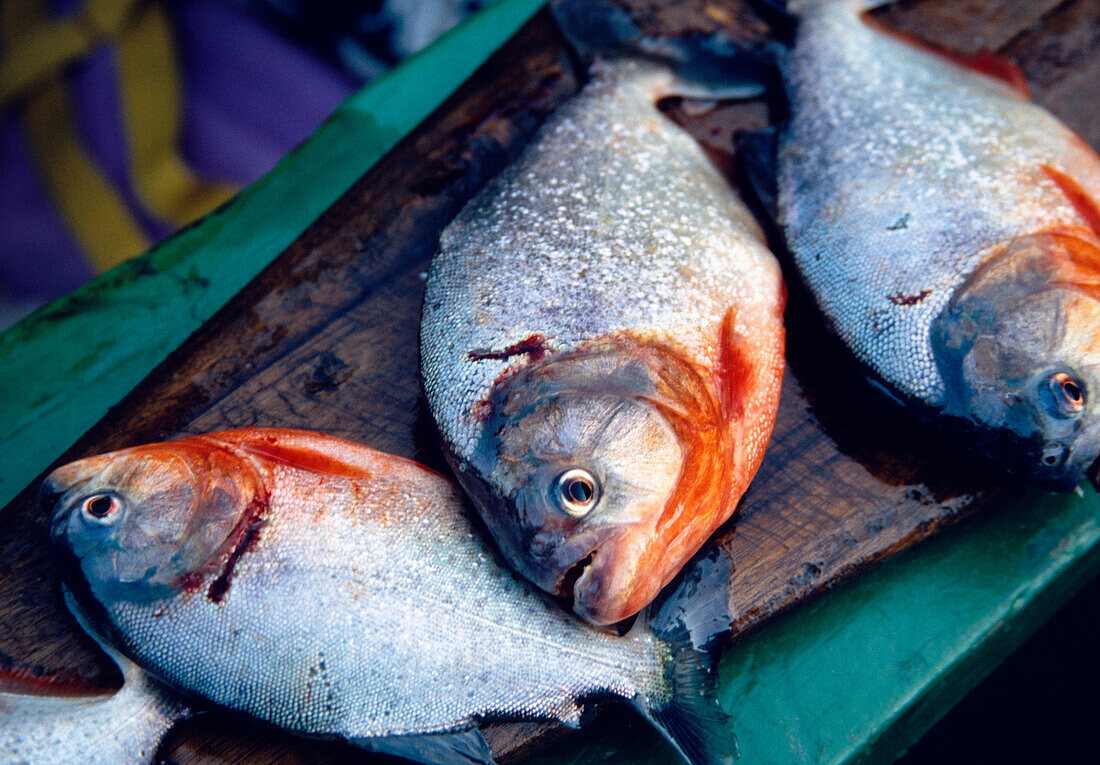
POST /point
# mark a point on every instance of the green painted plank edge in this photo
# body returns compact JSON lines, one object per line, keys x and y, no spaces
{"x":860,"y":674}
{"x":64,"y":366}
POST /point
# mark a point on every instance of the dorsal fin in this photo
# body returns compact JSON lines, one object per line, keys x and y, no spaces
{"x":992,"y":65}
{"x":310,"y":451}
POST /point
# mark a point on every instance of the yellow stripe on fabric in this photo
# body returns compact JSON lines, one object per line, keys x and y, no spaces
{"x":149,"y":91}
{"x":40,"y":47}
{"x":90,"y":206}
{"x":37,"y":55}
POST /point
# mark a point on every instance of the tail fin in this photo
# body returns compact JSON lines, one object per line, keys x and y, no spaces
{"x":705,"y":65}
{"x":697,"y":602}
{"x":690,"y":719}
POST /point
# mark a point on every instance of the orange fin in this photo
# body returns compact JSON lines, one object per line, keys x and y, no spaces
{"x":313,"y":452}
{"x":31,"y":681}
{"x":985,"y":62}
{"x":1081,"y":200}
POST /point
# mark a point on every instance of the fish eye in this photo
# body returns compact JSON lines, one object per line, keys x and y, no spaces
{"x":576,"y":492}
{"x":101,"y":509}
{"x":1064,"y":395}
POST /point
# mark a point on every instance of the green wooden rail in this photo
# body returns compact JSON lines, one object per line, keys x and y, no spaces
{"x":855,"y":676}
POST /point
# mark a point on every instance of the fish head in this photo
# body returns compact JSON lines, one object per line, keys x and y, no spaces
{"x":144,"y":523}
{"x":580,"y":461}
{"x":1018,"y":347}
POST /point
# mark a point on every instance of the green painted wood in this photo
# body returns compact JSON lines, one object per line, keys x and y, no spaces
{"x":64,"y":366}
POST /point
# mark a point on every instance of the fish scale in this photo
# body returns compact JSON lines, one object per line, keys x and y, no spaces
{"x":605,"y":290}
{"x":914,"y":161}
{"x":901,"y":172}
{"x":607,"y":223}
{"x":360,"y":604}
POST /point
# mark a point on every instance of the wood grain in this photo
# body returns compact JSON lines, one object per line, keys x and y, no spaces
{"x":326,"y":339}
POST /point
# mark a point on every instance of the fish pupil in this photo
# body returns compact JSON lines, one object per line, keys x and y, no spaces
{"x":580,"y":491}
{"x":1072,"y":391}
{"x":100,"y":506}
{"x":576,"y":492}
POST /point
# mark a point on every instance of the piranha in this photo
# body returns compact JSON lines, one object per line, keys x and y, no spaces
{"x":52,"y":719}
{"x":333,"y":590}
{"x":949,"y":231}
{"x":602,"y":335}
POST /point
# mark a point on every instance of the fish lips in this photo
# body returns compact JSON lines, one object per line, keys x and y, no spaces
{"x":585,"y":569}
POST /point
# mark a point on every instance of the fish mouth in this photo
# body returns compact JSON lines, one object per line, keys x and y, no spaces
{"x":567,"y":582}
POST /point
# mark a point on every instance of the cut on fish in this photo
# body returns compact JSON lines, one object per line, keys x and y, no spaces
{"x":602,"y":336}
{"x":333,"y":590}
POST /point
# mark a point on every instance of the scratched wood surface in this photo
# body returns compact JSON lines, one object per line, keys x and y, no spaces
{"x":326,"y":339}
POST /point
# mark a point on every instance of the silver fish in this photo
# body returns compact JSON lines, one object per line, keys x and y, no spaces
{"x":329,"y":589}
{"x":602,"y":337}
{"x":948,"y":229}
{"x":43,"y":720}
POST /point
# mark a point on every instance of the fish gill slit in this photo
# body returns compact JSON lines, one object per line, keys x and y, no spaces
{"x":253,"y":523}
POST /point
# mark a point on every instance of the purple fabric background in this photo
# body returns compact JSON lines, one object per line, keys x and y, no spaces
{"x":249,"y":97}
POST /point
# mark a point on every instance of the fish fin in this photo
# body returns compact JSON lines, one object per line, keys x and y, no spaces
{"x":24,"y":680}
{"x":696,"y":603}
{"x":706,"y":66}
{"x":571,"y":715}
{"x":757,"y":151}
{"x":690,"y":719}
{"x":128,"y":669}
{"x":1081,"y":200}
{"x":460,"y":748}
{"x":992,"y":65}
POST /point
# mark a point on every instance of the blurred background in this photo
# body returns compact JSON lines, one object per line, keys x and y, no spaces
{"x":122,"y":120}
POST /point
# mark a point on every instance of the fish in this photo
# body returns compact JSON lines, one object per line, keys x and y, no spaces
{"x":57,"y":719}
{"x":948,"y":229}
{"x":602,"y":334}
{"x":332,"y":590}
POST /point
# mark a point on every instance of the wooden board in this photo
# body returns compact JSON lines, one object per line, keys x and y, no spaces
{"x":326,"y":339}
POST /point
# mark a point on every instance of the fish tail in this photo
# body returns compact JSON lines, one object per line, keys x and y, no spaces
{"x":715,"y":65}
{"x":693,"y":618}
{"x":687,"y":713}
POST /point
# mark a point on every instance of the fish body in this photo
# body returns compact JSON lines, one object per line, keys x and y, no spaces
{"x":946,"y":226}
{"x":332,"y":590}
{"x":602,"y":346}
{"x":44,"y":720}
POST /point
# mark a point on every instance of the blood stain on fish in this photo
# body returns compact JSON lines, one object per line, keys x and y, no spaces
{"x":534,"y":346}
{"x":908,"y":300}
{"x":255,"y":518}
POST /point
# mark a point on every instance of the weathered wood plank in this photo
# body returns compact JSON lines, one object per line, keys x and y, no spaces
{"x":326,"y":339}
